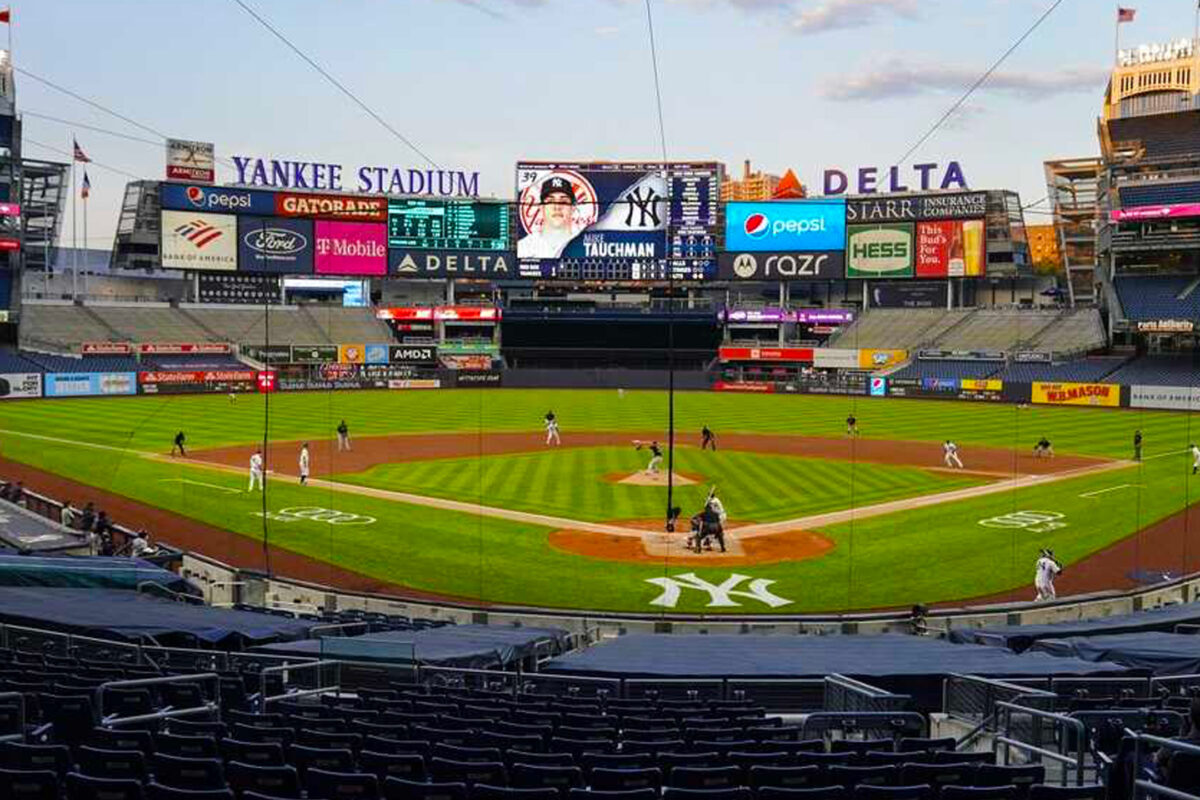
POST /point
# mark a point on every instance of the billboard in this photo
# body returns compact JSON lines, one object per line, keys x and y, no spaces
{"x":794,"y":266}
{"x":14,"y":385}
{"x":1107,"y":395}
{"x":84,"y":384}
{"x":953,"y":248}
{"x":800,"y":354}
{"x":352,"y":354}
{"x":197,"y":348}
{"x":911,"y":208}
{"x":191,"y":161}
{"x":1173,"y":398}
{"x":314,"y":353}
{"x":874,"y":358}
{"x":880,"y":251}
{"x":1140,"y":213}
{"x":106,"y":348}
{"x":786,"y":226}
{"x":908,"y":295}
{"x":617,"y":221}
{"x":181,"y":382}
{"x":350,"y":248}
{"x":275,"y":244}
{"x":834,"y":358}
{"x":247,"y":289}
{"x":331,"y":206}
{"x":193,"y":197}
{"x":470,"y":225}
{"x":198,"y":241}
{"x":815,"y":316}
{"x":408,"y":263}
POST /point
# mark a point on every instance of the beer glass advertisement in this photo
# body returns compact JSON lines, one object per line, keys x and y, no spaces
{"x":617,"y":221}
{"x":952,"y":248}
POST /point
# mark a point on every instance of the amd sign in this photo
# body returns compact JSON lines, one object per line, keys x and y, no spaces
{"x":411,"y":354}
{"x":406,"y":263}
{"x":815,"y":265}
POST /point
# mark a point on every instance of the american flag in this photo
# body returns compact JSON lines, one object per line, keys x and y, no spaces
{"x":79,"y":154}
{"x":6,"y":15}
{"x":85,"y":188}
{"x":1125,"y":14}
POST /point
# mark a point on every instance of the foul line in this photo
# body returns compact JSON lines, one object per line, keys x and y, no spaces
{"x":1110,"y":489}
{"x":200,"y":483}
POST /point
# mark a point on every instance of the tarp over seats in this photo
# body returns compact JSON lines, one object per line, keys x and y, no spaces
{"x":466,"y":646}
{"x":84,"y":572}
{"x":118,"y":614}
{"x":1018,"y":638}
{"x":1160,"y":653}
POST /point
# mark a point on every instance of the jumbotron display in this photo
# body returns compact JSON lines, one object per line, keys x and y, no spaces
{"x":447,"y":225}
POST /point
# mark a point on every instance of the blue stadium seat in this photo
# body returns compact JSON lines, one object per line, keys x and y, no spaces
{"x":937,"y":775}
{"x":920,"y":792}
{"x":277,"y":781}
{"x":851,"y":777}
{"x":36,"y":757}
{"x":390,"y":765}
{"x":909,"y":745}
{"x":475,"y":754}
{"x":116,"y":764}
{"x":397,"y":789}
{"x":444,"y":770}
{"x":811,"y":793}
{"x":980,"y":793}
{"x":186,"y":746}
{"x":155,"y":791}
{"x":596,"y":794}
{"x":1042,"y":791}
{"x":736,"y":793}
{"x":559,"y":778}
{"x":483,"y":791}
{"x":84,"y":787}
{"x":259,"y":754}
{"x":705,"y":777}
{"x":21,"y":784}
{"x":1023,"y":776}
{"x":188,"y":773}
{"x":123,"y":739}
{"x":305,"y":758}
{"x":860,"y":745}
{"x":788,"y":777}
{"x":623,"y":780}
{"x":329,"y":785}
{"x":537,"y":759}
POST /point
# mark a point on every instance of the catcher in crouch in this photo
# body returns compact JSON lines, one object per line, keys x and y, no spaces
{"x":708,"y":524}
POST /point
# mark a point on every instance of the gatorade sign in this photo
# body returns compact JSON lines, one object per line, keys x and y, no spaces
{"x":880,"y":251}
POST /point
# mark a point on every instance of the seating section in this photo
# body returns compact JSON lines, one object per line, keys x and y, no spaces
{"x":13,"y":361}
{"x":65,"y":327}
{"x":997,"y":329}
{"x":1160,"y":194}
{"x":1151,"y":298}
{"x":1087,"y":370}
{"x":1164,"y":136}
{"x":1181,"y":370}
{"x":897,"y":328}
{"x":52,"y":363}
{"x":1075,"y":331}
{"x":189,"y":363}
{"x":916,"y":370}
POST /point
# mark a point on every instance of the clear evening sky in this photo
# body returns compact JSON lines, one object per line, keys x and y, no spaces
{"x":480,"y":84}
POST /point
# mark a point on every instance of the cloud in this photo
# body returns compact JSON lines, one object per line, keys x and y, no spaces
{"x":964,"y":117}
{"x":832,"y":15}
{"x":490,"y":7}
{"x":607,"y":30}
{"x":897,"y":78}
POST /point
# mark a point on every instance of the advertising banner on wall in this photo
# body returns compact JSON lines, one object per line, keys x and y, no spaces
{"x":908,"y":295}
{"x":198,"y":241}
{"x":617,"y":221}
{"x":352,"y":354}
{"x":217,"y":199}
{"x":950,"y":249}
{"x":376,"y":353}
{"x":239,"y":289}
{"x":271,"y":354}
{"x":180,"y":382}
{"x":350,"y":208}
{"x":85,"y":384}
{"x":879,"y":251}
{"x":412,"y":354}
{"x":786,"y":226}
{"x":275,"y":244}
{"x":14,"y":385}
{"x":314,"y":353}
{"x":1141,"y":213}
{"x":874,"y":358}
{"x":185,"y":348}
{"x":1107,"y":395}
{"x":833,"y":358}
{"x":799,"y":354}
{"x":794,"y":266}
{"x":408,"y":263}
{"x":191,"y":161}
{"x":106,"y":348}
{"x":954,"y":205}
{"x":351,"y":248}
{"x":1173,"y":398}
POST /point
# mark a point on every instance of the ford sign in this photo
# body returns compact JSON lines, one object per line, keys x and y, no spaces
{"x":275,"y":241}
{"x":275,"y":244}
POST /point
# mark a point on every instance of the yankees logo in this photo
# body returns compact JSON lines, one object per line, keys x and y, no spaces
{"x":1033,"y":521}
{"x":317,"y":514}
{"x":719,"y":595}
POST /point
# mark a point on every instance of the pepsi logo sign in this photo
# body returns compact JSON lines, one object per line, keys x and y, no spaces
{"x":195,"y":196}
{"x":757,"y":226}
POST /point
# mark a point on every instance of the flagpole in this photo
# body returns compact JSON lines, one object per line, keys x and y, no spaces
{"x":74,"y":232}
{"x":85,"y":239}
{"x":1117,"y":39}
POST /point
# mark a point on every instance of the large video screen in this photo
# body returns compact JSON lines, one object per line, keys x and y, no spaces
{"x":423,"y":224}
{"x":617,"y":221}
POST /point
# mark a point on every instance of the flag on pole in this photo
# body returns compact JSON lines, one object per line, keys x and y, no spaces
{"x":1125,"y":14}
{"x":79,"y":154}
{"x":85,"y":188}
{"x":6,"y":15}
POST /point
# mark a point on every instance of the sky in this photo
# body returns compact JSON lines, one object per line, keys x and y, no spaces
{"x":480,"y":84}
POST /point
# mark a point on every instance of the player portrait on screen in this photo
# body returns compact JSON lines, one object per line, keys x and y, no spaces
{"x":555,"y":207}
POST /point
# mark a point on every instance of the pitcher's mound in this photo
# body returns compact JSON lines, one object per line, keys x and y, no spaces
{"x":643,"y":478}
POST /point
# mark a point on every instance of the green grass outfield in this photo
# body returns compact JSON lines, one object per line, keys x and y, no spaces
{"x":940,"y":553}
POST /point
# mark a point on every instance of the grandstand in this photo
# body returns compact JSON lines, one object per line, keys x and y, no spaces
{"x":1160,"y":193}
{"x":946,"y":368}
{"x":1003,"y":330}
{"x":57,"y":325}
{"x":1087,"y":370}
{"x":1159,"y":370}
{"x":905,"y":329}
{"x":1144,"y":297}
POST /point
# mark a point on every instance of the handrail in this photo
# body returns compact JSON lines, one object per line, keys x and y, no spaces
{"x":843,"y":694}
{"x":1059,"y":719}
{"x":19,"y":736}
{"x":206,"y":708}
{"x":283,"y":669}
{"x":825,"y":720}
{"x":337,"y":626}
{"x":1170,"y":744}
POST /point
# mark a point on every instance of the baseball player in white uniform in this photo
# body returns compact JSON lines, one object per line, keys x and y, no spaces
{"x":1044,"y":573}
{"x":950,"y":451}
{"x":552,"y":436}
{"x":304,"y":464}
{"x":256,"y":470}
{"x":1195,"y":459}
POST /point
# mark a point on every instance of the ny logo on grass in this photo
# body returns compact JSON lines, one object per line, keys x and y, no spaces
{"x":719,"y":595}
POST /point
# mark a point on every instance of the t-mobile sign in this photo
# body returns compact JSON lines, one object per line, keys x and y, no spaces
{"x":351,"y":248}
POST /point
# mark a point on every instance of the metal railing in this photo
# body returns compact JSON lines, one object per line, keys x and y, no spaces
{"x":1175,"y":685}
{"x":1064,"y":732}
{"x":848,"y":694}
{"x":973,"y":699}
{"x":209,"y":707}
{"x":1158,"y":789}
{"x":1098,"y":687}
{"x":287,"y":671}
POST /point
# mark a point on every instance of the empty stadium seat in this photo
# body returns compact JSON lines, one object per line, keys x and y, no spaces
{"x":84,"y":787}
{"x":155,"y":791}
{"x":22,"y":784}
{"x":398,"y":789}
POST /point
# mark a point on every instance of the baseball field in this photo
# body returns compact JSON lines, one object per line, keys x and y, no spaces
{"x":454,"y":494}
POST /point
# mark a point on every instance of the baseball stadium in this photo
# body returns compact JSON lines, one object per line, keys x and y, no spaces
{"x":645,"y":479}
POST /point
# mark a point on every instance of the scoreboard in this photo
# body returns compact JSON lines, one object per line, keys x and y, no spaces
{"x":448,"y":225}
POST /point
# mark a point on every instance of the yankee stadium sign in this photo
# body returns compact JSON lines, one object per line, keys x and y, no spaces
{"x":315,"y":175}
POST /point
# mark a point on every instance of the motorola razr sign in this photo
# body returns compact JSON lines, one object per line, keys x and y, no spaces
{"x":827,"y":265}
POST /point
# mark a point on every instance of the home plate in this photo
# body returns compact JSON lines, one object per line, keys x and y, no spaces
{"x":671,"y":545}
{"x":643,"y":478}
